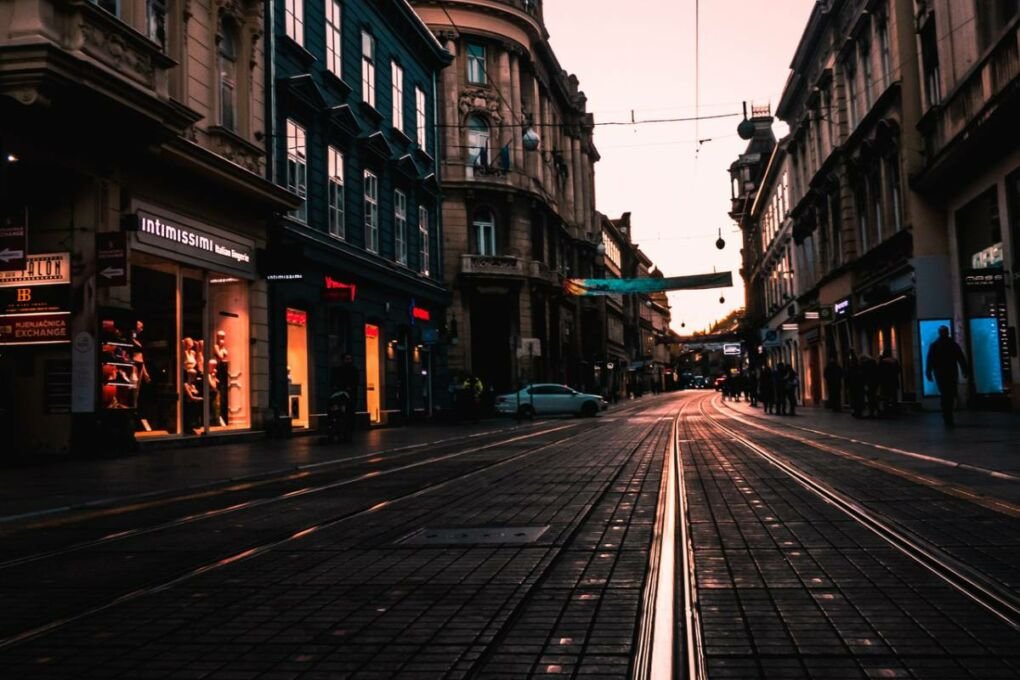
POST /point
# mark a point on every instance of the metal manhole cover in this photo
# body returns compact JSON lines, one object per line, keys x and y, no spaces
{"x":474,"y":535}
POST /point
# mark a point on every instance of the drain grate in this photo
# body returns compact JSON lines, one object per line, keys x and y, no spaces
{"x":474,"y":535}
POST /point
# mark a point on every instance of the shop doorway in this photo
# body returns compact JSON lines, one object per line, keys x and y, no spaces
{"x":373,"y":384}
{"x":297,"y":367}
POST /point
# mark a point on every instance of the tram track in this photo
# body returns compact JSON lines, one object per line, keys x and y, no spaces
{"x":263,"y":502}
{"x":1000,"y":601}
{"x":266,"y":546}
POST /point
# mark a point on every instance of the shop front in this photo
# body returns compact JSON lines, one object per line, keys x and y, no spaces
{"x":177,"y":351}
{"x":321,"y":309}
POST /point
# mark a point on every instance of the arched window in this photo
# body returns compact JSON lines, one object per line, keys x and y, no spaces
{"x":485,"y":232}
{"x":478,"y":142}
{"x":228,"y":49}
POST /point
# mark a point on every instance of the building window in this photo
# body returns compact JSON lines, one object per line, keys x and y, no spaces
{"x":992,"y":17}
{"x":895,"y":191}
{"x":423,"y":240}
{"x":111,"y":6}
{"x":830,"y":117}
{"x":883,"y":50}
{"x":294,"y":20}
{"x":864,"y":46}
{"x":297,"y":167}
{"x":485,"y":232}
{"x":875,"y":200}
{"x":861,"y":205}
{"x":930,"y":64}
{"x":337,"y":226}
{"x":334,"y":41}
{"x":419,"y":115}
{"x":400,"y":226}
{"x":475,"y":63}
{"x":368,"y":68}
{"x":155,"y":21}
{"x":478,"y":143}
{"x":228,"y":73}
{"x":398,"y":95}
{"x":851,"y":90}
{"x":371,"y":212}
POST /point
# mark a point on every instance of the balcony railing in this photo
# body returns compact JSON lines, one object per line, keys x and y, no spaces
{"x":491,"y":265}
{"x":965,"y":102}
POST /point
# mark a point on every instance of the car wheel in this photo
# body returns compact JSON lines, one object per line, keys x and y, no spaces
{"x":589,"y":409}
{"x":526,"y":412}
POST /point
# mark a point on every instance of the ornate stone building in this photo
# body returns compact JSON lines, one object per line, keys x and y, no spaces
{"x":516,"y":165}
{"x":133,"y":177}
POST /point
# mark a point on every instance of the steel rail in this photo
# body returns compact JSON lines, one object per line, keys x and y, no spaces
{"x":261,"y":502}
{"x":265,"y":547}
{"x":990,"y":594}
{"x":697,"y":668}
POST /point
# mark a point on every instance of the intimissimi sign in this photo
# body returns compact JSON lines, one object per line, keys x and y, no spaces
{"x":210,"y":248}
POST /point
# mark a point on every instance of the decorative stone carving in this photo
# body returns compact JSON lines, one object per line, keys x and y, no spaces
{"x":236,"y":150}
{"x":114,"y":51}
{"x":481,"y":100}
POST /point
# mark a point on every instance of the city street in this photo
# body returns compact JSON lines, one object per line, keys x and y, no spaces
{"x":673,"y":535}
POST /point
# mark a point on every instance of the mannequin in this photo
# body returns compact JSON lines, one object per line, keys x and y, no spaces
{"x":221,"y":355}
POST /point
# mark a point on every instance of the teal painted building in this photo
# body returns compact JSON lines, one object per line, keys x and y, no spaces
{"x":357,"y":268}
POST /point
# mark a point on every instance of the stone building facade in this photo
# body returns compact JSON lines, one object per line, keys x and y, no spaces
{"x":517,"y":169}
{"x":133,"y":162}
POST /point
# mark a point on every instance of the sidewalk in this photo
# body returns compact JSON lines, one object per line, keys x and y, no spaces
{"x":981,"y":452}
{"x":75,"y":482}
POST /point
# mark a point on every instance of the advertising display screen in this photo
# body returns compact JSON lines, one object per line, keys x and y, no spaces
{"x":929,"y":333}
{"x":984,"y":351}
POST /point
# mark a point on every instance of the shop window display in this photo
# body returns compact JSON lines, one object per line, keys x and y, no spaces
{"x":190,"y":359}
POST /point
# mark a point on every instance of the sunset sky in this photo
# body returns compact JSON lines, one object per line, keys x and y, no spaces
{"x":640,"y":56}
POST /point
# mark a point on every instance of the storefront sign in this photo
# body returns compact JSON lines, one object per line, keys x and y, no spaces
{"x":841,"y":309}
{"x":35,"y":329}
{"x":418,"y":313}
{"x":35,"y":299}
{"x":13,"y":245}
{"x":111,"y":259}
{"x":983,"y":280}
{"x":731,"y":349}
{"x":40,"y":270}
{"x":297,"y":317}
{"x":338,"y":291}
{"x":208,"y":247}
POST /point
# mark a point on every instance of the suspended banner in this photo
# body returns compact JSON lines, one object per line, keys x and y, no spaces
{"x":646,"y":285}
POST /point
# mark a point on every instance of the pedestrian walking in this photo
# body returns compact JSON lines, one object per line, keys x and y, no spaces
{"x":834,"y":384}
{"x":944,"y":356}
{"x":792,"y":389}
{"x":855,"y":383}
{"x":766,"y":388}
{"x":869,"y":372}
{"x":889,"y":383}
{"x":752,"y":387}
{"x":779,"y":389}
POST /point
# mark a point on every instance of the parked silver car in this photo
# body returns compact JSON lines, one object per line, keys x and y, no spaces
{"x":547,"y":399}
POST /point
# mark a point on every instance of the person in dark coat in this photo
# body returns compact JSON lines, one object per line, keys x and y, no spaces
{"x":834,"y":383}
{"x":752,"y":387}
{"x":779,"y":388}
{"x":792,"y":389}
{"x":889,"y":383}
{"x":869,"y":372}
{"x":766,"y":388}
{"x":855,"y":383}
{"x":944,"y":356}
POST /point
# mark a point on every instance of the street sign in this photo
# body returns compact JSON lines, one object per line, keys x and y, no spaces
{"x":13,"y":245}
{"x":731,"y":349}
{"x":111,"y":259}
{"x":770,"y":338}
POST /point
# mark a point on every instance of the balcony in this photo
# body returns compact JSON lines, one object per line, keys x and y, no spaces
{"x":55,"y":44}
{"x":492,"y":266}
{"x":977,"y":113}
{"x":541,"y":273}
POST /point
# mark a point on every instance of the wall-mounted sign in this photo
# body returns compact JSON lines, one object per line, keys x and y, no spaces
{"x":430,"y":336}
{"x":40,"y":270}
{"x":731,"y":349}
{"x":338,"y":291}
{"x":297,"y":317}
{"x":35,"y":329}
{"x":418,"y":313}
{"x":13,"y":247}
{"x":976,"y":279}
{"x":35,"y":299}
{"x":111,"y":259}
{"x":841,"y":308}
{"x":209,"y":247}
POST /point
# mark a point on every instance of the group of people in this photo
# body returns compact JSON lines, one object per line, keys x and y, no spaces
{"x":775,"y":388}
{"x":873,"y":386}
